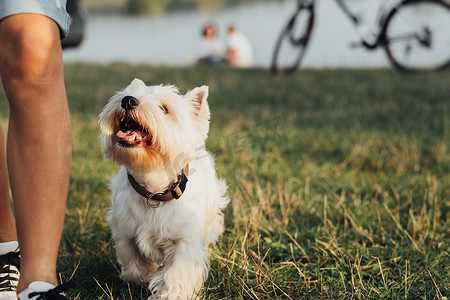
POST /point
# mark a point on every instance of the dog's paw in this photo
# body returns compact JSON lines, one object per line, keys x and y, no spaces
{"x":180,"y":279}
{"x":139,"y":274}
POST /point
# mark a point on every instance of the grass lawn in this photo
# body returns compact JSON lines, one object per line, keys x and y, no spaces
{"x":339,"y":180}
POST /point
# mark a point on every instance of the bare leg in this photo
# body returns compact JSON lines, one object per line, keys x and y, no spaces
{"x":39,"y":139}
{"x":7,"y":225}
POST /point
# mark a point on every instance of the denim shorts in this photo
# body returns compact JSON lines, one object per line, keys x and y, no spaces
{"x":54,"y":9}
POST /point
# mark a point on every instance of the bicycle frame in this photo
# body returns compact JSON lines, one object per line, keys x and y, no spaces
{"x":353,"y":17}
{"x":358,"y":24}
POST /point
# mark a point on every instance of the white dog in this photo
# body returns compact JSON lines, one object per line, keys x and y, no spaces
{"x":166,"y":198}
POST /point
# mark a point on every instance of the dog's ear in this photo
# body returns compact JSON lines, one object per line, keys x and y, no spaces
{"x":197,"y":98}
{"x":199,"y":108}
{"x":137,"y":82}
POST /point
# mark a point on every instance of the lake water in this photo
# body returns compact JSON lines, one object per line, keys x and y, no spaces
{"x":171,"y":39}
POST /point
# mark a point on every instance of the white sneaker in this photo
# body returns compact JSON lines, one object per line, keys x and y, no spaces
{"x":38,"y":290}
{"x":34,"y":289}
{"x":9,"y":270}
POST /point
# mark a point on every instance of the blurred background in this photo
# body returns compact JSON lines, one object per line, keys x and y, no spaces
{"x":168,"y":32}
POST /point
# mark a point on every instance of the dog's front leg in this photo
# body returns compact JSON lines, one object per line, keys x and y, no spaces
{"x":185,"y":270}
{"x":134,"y":267}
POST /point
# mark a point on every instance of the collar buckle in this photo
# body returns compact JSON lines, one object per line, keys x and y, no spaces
{"x":153,"y":203}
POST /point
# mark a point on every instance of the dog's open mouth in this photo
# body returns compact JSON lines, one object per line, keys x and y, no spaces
{"x":131,"y":133}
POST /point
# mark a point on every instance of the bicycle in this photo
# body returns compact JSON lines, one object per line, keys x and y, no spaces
{"x":415,"y":35}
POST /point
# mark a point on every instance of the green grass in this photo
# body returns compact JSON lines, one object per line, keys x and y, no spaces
{"x":144,"y":7}
{"x":339,"y":180}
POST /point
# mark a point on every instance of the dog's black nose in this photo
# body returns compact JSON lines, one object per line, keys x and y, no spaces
{"x":128,"y":102}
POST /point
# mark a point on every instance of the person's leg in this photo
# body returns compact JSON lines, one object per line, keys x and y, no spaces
{"x":9,"y":256}
{"x":7,"y":225}
{"x":39,"y":139}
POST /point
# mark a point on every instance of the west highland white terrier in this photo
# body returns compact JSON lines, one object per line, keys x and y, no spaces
{"x":166,"y":198}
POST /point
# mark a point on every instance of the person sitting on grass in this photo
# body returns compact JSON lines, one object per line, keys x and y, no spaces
{"x":210,"y":51}
{"x":239,"y":50}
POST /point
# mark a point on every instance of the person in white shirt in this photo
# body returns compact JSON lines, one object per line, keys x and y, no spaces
{"x":239,"y":50}
{"x":210,"y":50}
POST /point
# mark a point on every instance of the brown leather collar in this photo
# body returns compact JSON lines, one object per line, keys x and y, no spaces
{"x":174,"y":192}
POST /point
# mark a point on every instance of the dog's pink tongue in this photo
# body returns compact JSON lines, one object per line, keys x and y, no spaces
{"x":130,"y":135}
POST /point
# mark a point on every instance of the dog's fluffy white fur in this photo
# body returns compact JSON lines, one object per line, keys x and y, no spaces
{"x":165,"y":247}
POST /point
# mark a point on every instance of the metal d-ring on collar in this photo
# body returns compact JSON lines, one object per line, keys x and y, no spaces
{"x":174,"y":192}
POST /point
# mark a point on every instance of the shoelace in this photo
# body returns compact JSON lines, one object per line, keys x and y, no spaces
{"x":6,"y":261}
{"x":54,"y":294}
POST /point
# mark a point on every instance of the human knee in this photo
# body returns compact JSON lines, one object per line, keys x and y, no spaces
{"x":28,"y":53}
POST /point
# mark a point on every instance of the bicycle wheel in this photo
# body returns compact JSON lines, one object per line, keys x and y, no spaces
{"x":294,"y":38}
{"x":416,"y":35}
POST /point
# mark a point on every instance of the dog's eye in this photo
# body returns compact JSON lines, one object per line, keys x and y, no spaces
{"x":164,"y":109}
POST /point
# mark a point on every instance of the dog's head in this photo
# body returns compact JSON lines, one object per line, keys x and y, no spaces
{"x":154,"y":126}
